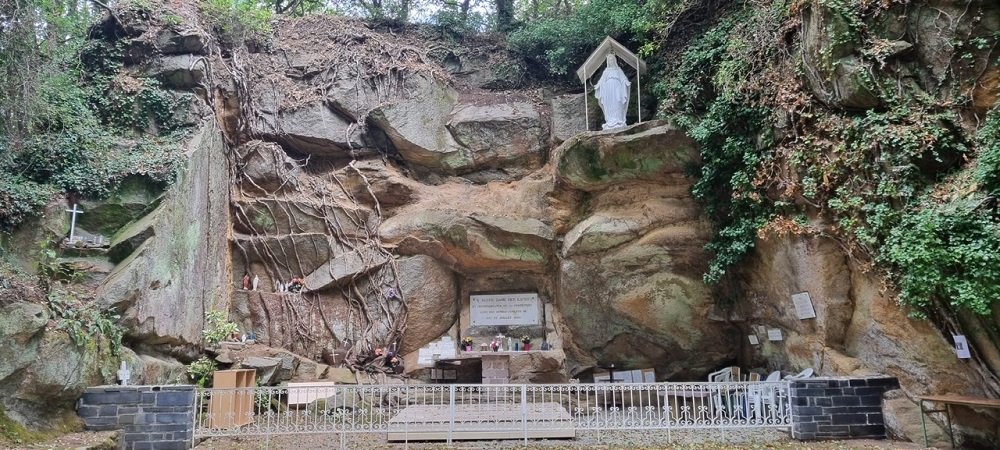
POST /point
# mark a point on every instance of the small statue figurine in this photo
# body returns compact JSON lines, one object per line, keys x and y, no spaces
{"x":246,"y":280}
{"x":256,"y":281}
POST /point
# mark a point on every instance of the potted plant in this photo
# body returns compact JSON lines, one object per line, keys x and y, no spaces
{"x":467,"y":343}
{"x":527,"y":342}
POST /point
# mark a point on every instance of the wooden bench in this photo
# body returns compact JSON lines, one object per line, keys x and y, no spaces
{"x":949,"y":400}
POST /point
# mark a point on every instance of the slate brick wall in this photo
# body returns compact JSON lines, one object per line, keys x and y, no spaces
{"x":152,"y":417}
{"x":839,"y":408}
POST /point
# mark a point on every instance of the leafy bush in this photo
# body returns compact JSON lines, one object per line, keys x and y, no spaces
{"x":238,"y":21}
{"x":84,"y":322}
{"x":201,"y":370}
{"x":988,"y":170}
{"x":21,"y":198}
{"x":217,"y":327}
{"x":557,"y":46}
{"x":947,"y":251}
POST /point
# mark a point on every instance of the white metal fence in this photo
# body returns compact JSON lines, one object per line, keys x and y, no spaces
{"x":513,"y":411}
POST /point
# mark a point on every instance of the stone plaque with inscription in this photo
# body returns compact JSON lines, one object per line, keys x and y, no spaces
{"x":505,"y":309}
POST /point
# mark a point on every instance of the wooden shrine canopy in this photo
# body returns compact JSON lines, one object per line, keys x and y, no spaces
{"x":597,"y":59}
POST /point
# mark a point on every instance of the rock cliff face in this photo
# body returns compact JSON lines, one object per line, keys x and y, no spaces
{"x":397,"y":187}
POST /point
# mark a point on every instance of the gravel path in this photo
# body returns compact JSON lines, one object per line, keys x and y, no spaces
{"x":658,"y":439}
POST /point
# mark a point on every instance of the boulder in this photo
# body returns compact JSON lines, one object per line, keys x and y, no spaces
{"x":652,"y":151}
{"x":21,"y":327}
{"x":472,"y":242}
{"x":417,"y":128}
{"x":265,"y":168}
{"x":341,"y":375}
{"x":569,"y":117}
{"x":132,"y":199}
{"x":40,"y":394}
{"x":431,"y":295}
{"x":175,"y":40}
{"x":177,"y":71}
{"x":346,"y":265}
{"x":305,"y":252}
{"x":301,"y":323}
{"x":268,"y":369}
{"x":499,"y":135}
{"x":538,"y":367}
{"x":833,"y":73}
{"x":319,"y":129}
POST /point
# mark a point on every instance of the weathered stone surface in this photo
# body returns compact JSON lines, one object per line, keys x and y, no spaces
{"x":41,"y":393}
{"x":651,"y":151}
{"x":569,"y":117}
{"x":833,"y":73}
{"x":417,"y":128}
{"x":305,"y":252}
{"x":538,"y":367}
{"x":178,"y":71}
{"x":614,"y":225}
{"x":341,"y":375}
{"x":902,"y":421}
{"x":499,"y":135}
{"x":130,"y":238}
{"x":267,"y":369}
{"x":302,"y":323}
{"x":431,"y":294}
{"x":264,"y":167}
{"x":151,"y":370}
{"x":345,"y":266}
{"x":385,"y":182}
{"x":21,"y":325}
{"x":174,"y":40}
{"x":858,"y":328}
{"x":319,"y":129}
{"x":164,"y":287}
{"x":472,"y":242}
{"x":133,"y":197}
{"x":632,"y":308}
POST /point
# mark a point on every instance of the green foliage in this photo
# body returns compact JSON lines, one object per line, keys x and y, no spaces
{"x":947,"y":251}
{"x":84,"y":323}
{"x":728,"y":133}
{"x":876,"y":163}
{"x":238,"y":21}
{"x":730,"y":156}
{"x":21,"y":198}
{"x":84,"y":125}
{"x":555,"y":47}
{"x":201,"y":370}
{"x":988,"y":170}
{"x":217,"y":327}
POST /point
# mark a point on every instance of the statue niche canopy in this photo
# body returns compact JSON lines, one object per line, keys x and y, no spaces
{"x":613,"y":88}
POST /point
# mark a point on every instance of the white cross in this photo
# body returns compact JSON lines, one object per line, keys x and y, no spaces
{"x":124,"y":374}
{"x":72,"y":226}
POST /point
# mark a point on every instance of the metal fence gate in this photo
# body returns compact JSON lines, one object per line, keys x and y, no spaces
{"x":509,"y":411}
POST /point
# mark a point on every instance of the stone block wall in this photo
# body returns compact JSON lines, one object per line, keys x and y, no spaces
{"x":839,"y":408}
{"x":496,"y":369}
{"x":152,"y":417}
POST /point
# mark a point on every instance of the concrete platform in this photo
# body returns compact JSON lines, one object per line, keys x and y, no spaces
{"x":481,"y":422}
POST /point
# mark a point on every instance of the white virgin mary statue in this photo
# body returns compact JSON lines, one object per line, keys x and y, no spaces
{"x":612,"y":92}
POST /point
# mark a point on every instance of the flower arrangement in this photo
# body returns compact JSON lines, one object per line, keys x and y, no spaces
{"x":525,"y":339}
{"x":467,"y":340}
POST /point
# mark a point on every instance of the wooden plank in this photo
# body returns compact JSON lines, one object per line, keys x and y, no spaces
{"x":482,"y":422}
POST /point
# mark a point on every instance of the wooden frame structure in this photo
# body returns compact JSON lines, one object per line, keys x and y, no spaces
{"x":597,"y":58}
